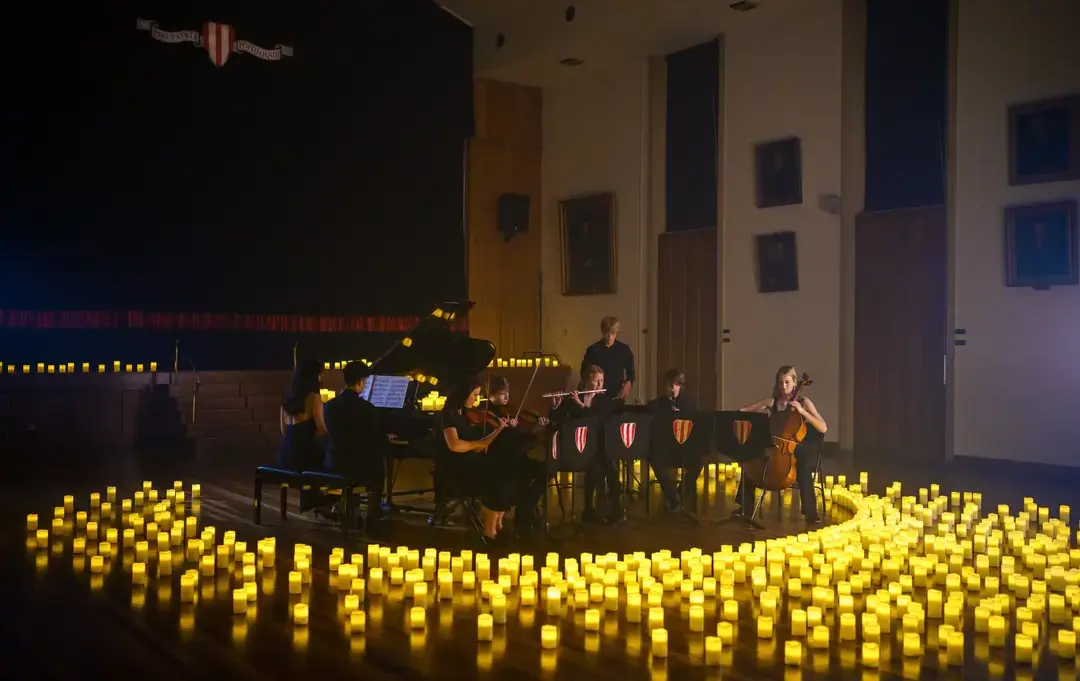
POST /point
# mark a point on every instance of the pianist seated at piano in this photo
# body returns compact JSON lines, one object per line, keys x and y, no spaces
{"x":512,"y":448}
{"x":784,"y":398}
{"x":465,"y":458}
{"x":679,"y":498}
{"x":301,"y":422}
{"x":592,"y":401}
{"x":356,"y":447}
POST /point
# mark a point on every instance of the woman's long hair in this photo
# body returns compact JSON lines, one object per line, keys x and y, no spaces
{"x":786,"y":370}
{"x":305,"y":381}
{"x":455,"y":401}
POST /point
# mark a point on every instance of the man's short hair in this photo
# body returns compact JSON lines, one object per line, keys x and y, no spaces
{"x":609,"y":324}
{"x":355,"y":372}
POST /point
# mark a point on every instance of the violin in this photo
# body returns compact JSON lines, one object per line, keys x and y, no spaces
{"x":483,"y":417}
{"x":776,"y":470}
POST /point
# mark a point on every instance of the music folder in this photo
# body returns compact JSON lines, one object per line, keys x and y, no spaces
{"x":742,"y":435}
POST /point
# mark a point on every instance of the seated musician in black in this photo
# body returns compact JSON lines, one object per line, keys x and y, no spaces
{"x":301,"y":422}
{"x":512,"y":451}
{"x":466,"y":460}
{"x":778,"y":405}
{"x":679,"y":499}
{"x":597,"y":405}
{"x":357,"y":447}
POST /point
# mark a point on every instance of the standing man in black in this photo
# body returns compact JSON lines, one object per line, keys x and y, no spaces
{"x":357,"y":447}
{"x":614,"y":357}
{"x":681,"y":498}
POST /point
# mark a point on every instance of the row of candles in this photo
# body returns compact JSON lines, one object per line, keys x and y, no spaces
{"x":937,"y":546}
{"x":548,"y":361}
{"x":84,"y":367}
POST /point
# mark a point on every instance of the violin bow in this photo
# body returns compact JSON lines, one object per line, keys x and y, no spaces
{"x":536,"y":370}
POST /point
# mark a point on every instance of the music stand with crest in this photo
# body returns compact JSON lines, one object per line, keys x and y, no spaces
{"x":743,"y":436}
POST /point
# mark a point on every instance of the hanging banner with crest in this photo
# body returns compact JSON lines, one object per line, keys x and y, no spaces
{"x":219,"y":40}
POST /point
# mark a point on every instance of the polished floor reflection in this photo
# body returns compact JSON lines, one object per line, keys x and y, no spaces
{"x":177,"y":581}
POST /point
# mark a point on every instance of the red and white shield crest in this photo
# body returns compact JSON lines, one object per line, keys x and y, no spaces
{"x":742,"y":431}
{"x":555,"y":446}
{"x":218,"y":39}
{"x":682,"y":428}
{"x":628,"y":431}
{"x":581,"y":436}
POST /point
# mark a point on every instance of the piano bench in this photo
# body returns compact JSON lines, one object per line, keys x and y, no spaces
{"x":285,"y":478}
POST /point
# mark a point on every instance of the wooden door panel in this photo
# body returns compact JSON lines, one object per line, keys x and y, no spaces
{"x":901,"y":270}
{"x":686,"y":333}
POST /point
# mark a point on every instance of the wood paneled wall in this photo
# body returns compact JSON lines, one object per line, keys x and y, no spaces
{"x":504,"y":158}
{"x":687,"y":303}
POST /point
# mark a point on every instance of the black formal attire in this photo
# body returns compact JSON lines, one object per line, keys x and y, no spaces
{"x":683,"y":494}
{"x":476,"y":473}
{"x":357,"y":448}
{"x":510,"y":452}
{"x":616,"y":361}
{"x":806,"y":454}
{"x":299,"y":451}
{"x":604,"y":470}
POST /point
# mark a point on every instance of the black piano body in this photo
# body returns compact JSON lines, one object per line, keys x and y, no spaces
{"x":435,"y":356}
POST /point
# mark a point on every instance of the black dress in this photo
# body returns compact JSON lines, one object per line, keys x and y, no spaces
{"x":476,"y":473}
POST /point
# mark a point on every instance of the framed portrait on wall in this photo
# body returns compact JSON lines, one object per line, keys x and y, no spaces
{"x":778,"y":172}
{"x":777,"y":263}
{"x":1040,"y":245}
{"x":587,"y":232}
{"x":1044,"y":141}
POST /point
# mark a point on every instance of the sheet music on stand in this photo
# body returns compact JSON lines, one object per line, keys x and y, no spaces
{"x":388,"y":392}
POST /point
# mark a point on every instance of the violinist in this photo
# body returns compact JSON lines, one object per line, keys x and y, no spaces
{"x":597,"y":405}
{"x":512,"y":452}
{"x":465,"y":457}
{"x":678,"y":498}
{"x":778,"y":405}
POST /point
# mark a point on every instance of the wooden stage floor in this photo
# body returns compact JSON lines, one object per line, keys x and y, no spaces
{"x":61,"y":620}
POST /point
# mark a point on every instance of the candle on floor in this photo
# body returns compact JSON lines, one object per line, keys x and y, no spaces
{"x":206,"y":565}
{"x":660,"y":643}
{"x":300,"y":614}
{"x":239,"y":601}
{"x":793,"y":653}
{"x":954,"y":648}
{"x":871,"y":654}
{"x":485,"y":627}
{"x":1066,"y":644}
{"x":187,"y":588}
{"x":633,"y":608}
{"x":912,"y":645}
{"x":417,"y":617}
{"x":1024,"y":649}
{"x":713,"y":651}
{"x":498,"y":608}
{"x":656,"y":618}
{"x":296,"y":583}
{"x":765,"y":627}
{"x":819,"y":638}
{"x":138,"y":574}
{"x":549,"y":637}
{"x":375,"y":581}
{"x":554,"y":601}
{"x":592,"y":620}
{"x":357,"y":622}
{"x":97,"y":565}
{"x":78,"y":545}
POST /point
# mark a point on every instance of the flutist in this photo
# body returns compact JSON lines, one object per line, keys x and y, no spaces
{"x":594,"y":402}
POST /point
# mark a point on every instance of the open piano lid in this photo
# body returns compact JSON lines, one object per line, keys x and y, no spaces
{"x":435,"y":350}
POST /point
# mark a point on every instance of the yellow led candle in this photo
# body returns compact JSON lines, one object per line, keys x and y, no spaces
{"x":485,"y":627}
{"x":57,"y":525}
{"x":296,"y":582}
{"x":819,"y":638}
{"x":954,"y":648}
{"x":1024,"y":649}
{"x":549,"y":637}
{"x":592,"y":620}
{"x":206,"y":565}
{"x":871,"y":655}
{"x":731,"y":611}
{"x":526,"y":596}
{"x":793,"y":653}
{"x":656,"y":618}
{"x":138,"y":573}
{"x":357,"y":622}
{"x":765,"y":627}
{"x":468,"y":580}
{"x":142,"y":549}
{"x":129,"y":538}
{"x":633,"y":608}
{"x":798,"y":622}
{"x":32,"y":522}
{"x":187,"y":588}
{"x":912,"y":645}
{"x":239,"y":601}
{"x":105,"y":549}
{"x":97,"y":564}
{"x":80,"y":519}
{"x":660,"y":643}
{"x":196,"y":490}
{"x":417,"y":618}
{"x":300,"y":614}
{"x":725,"y":631}
{"x":78,"y":545}
{"x":713,"y":651}
{"x":554,"y":601}
{"x":1066,"y":649}
{"x":164,"y":564}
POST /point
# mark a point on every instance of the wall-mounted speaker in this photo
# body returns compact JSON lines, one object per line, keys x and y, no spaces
{"x":512,"y":214}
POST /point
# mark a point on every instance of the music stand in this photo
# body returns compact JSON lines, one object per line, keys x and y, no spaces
{"x":743,"y":436}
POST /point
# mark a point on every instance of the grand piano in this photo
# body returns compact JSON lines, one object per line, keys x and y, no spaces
{"x":433,"y":356}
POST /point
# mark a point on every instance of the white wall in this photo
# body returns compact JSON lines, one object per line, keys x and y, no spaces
{"x":595,"y":137}
{"x":1016,"y":379}
{"x":782,"y":80}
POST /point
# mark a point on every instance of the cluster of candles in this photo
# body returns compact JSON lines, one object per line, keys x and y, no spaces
{"x":72,"y":367}
{"x":340,"y":364}
{"x":929,"y":572}
{"x":523,"y":362}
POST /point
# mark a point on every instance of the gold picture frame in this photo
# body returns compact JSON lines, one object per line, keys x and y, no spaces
{"x":587,"y":239}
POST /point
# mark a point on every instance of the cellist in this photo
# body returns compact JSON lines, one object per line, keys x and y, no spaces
{"x":777,"y":405}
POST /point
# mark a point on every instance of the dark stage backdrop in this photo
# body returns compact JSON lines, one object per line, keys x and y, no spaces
{"x":137,"y":174}
{"x":317,"y":171}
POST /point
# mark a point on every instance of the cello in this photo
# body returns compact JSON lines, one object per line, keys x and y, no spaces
{"x":776,"y":470}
